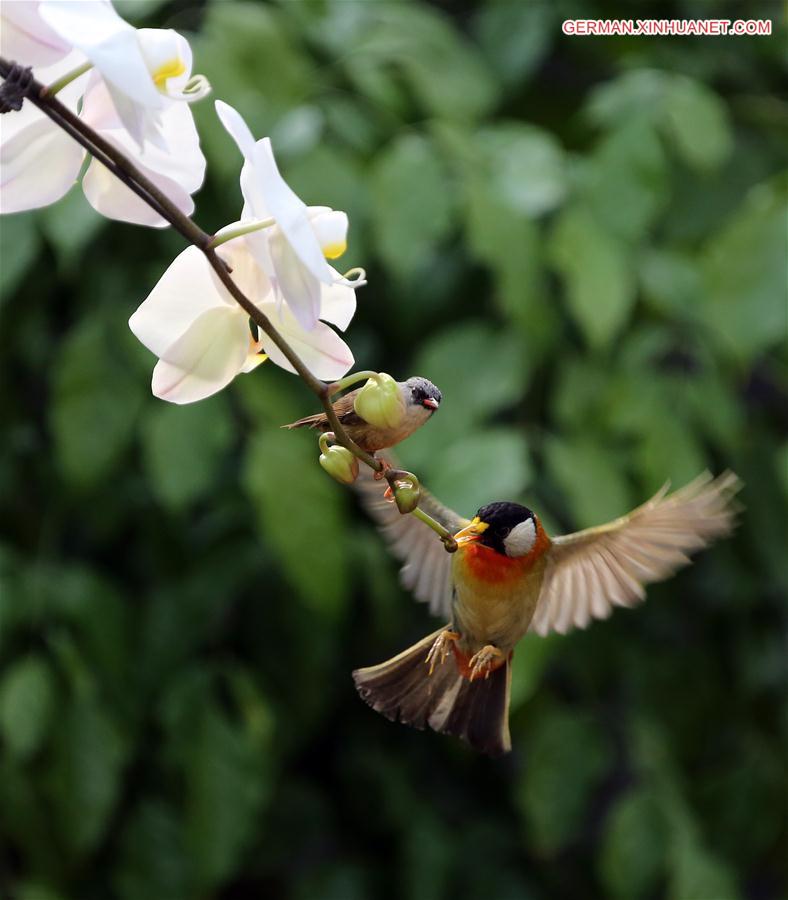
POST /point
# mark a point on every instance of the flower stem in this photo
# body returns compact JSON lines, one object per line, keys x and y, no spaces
{"x":248,"y":228}
{"x":58,"y":85}
{"x":326,"y":439}
{"x":445,"y":535}
{"x":348,"y":380}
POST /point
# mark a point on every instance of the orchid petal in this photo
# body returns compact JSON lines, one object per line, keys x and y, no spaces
{"x":321,"y":349}
{"x":236,"y":127}
{"x":111,"y":44}
{"x":183,"y":293}
{"x":204,"y":359}
{"x":330,"y":227}
{"x":168,"y":57}
{"x":25,"y":36}
{"x":39,"y":162}
{"x":177,"y":170}
{"x":337,"y":303}
{"x":290,"y":212}
{"x":38,"y":166}
{"x":297,"y":284}
{"x":108,"y":41}
{"x":234,"y":124}
{"x":247,"y":274}
{"x":110,"y":197}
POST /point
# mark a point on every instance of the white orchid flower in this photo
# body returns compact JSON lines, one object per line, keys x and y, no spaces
{"x":175,"y":164}
{"x":144,"y":71}
{"x":203,"y":337}
{"x":26,"y":38}
{"x":294,"y":247}
{"x":39,"y":162}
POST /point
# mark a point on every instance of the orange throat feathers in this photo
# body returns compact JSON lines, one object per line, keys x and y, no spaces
{"x":488,"y":566}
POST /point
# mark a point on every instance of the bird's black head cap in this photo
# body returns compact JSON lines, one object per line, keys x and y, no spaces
{"x":502,"y":518}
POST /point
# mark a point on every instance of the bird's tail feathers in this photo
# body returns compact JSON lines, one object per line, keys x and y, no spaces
{"x":402,"y":689}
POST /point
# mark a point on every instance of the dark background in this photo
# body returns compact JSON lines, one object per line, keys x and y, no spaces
{"x":583,"y":242}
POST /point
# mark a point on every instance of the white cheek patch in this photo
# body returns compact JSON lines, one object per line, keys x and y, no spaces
{"x":520,"y":539}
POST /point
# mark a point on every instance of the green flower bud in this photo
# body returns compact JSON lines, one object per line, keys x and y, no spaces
{"x":380,"y":402}
{"x":340,"y":464}
{"x":406,"y":495}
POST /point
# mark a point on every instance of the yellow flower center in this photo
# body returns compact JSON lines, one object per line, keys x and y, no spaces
{"x":171,"y":69}
{"x":333,"y":251}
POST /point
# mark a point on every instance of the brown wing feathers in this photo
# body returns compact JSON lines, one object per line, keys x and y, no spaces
{"x":592,"y":571}
{"x":343,"y":408}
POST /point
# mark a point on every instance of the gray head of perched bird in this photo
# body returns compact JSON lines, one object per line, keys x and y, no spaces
{"x":420,"y":397}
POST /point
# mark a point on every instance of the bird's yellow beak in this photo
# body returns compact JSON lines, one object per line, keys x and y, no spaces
{"x":471,"y":532}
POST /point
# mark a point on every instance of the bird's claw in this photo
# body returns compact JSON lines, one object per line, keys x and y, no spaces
{"x":441,"y":649}
{"x":379,"y":476}
{"x":484,"y":661}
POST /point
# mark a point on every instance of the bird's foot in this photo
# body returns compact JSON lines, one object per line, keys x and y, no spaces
{"x":441,"y":648}
{"x":379,"y":476}
{"x":486,"y":660}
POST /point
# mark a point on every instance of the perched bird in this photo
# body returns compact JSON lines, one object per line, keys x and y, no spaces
{"x":420,"y":398}
{"x":508,"y":577}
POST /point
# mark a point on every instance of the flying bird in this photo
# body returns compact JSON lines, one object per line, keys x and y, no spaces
{"x":508,"y":577}
{"x":420,"y":398}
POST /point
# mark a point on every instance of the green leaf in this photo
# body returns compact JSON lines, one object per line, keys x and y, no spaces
{"x":698,"y":875}
{"x":744,"y":275}
{"x":697,"y":121}
{"x":35,"y":890}
{"x":624,"y":181}
{"x":305,"y":528}
{"x":184,"y":447}
{"x":494,"y":464}
{"x":635,"y":93}
{"x":413,"y":203}
{"x":85,"y":778}
{"x":634,"y":847}
{"x":509,"y":242}
{"x":532,"y":656}
{"x":524,"y":167}
{"x":252,"y":59}
{"x":597,"y":275}
{"x":692,"y":117}
{"x":472,"y":392}
{"x":19,"y":245}
{"x":515,"y":37}
{"x":27,"y":694}
{"x":226,"y":783}
{"x":445,"y":71}
{"x":590,"y":476}
{"x":482,"y":369}
{"x":669,"y":451}
{"x":330,"y":177}
{"x":70,"y":224}
{"x":567,"y":758}
{"x":96,"y":401}
{"x":137,"y":10}
{"x":671,"y":281}
{"x":152,"y":861}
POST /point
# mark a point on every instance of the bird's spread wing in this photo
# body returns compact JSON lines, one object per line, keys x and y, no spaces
{"x":589,"y":572}
{"x":426,"y":569}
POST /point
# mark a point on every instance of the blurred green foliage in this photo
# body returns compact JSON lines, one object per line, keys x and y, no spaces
{"x":583,"y":242}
